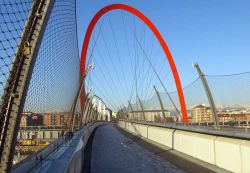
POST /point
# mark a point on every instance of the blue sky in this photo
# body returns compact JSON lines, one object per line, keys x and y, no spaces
{"x":216,"y":34}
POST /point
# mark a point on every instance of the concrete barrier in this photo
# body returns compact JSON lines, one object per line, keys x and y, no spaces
{"x":39,"y":135}
{"x":67,"y":154}
{"x":55,"y":134}
{"x":122,"y":124}
{"x":47,"y":135}
{"x":197,"y":145}
{"x":228,"y":153}
{"x":77,"y":158}
{"x":161,"y":136}
{"x":142,"y":130}
{"x":245,"y":156}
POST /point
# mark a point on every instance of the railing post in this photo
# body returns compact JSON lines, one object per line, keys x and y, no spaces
{"x":124,"y":112}
{"x":209,"y":94}
{"x":131,"y":109}
{"x":96,"y":115}
{"x":18,"y":81}
{"x":92,"y":113}
{"x":143,"y":113}
{"x":88,"y":117}
{"x":161,"y":104}
{"x":82,"y":113}
{"x":74,"y":105}
{"x":86,"y":111}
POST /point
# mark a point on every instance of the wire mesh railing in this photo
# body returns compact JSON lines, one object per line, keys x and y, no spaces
{"x":13,"y":15}
{"x":231,"y":95}
{"x":55,"y":76}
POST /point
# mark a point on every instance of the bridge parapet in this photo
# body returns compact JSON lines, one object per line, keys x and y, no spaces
{"x":217,"y":148}
{"x":66,"y":154}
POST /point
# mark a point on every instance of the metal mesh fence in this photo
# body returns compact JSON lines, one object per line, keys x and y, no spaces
{"x":56,"y":73}
{"x":55,"y":78}
{"x":231,"y":94}
{"x":13,"y":15}
{"x":194,"y":95}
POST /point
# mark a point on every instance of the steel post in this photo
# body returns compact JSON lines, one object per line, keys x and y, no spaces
{"x":209,"y":94}
{"x":19,"y":78}
{"x":143,"y":113}
{"x":161,"y":104}
{"x":131,"y":109}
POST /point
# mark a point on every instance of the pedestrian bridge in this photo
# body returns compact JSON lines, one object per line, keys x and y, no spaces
{"x":138,"y":147}
{"x":119,"y":106}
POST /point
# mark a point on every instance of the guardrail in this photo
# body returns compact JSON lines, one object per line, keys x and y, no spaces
{"x":236,"y":124}
{"x":37,"y":158}
{"x":240,"y":133}
{"x":42,"y":128}
{"x":227,"y":150}
{"x":40,"y":160}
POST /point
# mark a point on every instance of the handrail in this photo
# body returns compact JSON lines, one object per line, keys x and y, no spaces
{"x":37,"y":158}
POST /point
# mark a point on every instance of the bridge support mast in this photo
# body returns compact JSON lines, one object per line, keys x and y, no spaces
{"x":161,"y":104}
{"x":74,"y":105}
{"x":143,"y":112}
{"x":209,"y":94}
{"x":131,"y":110}
{"x":19,"y":78}
{"x":85,"y":111}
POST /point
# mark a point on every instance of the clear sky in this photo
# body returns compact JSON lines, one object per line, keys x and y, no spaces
{"x":216,"y":34}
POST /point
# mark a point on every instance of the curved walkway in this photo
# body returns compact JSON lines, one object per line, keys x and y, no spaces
{"x":112,"y":152}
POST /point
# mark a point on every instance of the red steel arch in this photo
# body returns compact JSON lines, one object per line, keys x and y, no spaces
{"x":157,"y":34}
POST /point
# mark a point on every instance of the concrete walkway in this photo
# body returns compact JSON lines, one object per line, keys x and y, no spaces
{"x":112,"y":152}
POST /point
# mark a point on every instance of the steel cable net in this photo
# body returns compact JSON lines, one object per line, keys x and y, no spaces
{"x":55,"y":78}
{"x":194,"y":95}
{"x":54,"y":82}
{"x":13,"y":15}
{"x":231,"y":93}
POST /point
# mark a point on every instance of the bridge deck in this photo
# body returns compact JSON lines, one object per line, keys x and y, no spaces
{"x":113,"y":152}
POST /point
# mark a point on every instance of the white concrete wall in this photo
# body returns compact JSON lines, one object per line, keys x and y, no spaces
{"x":55,"y":134}
{"x":142,"y":130}
{"x":47,"y":135}
{"x":236,"y":154}
{"x":197,"y":145}
{"x":160,"y":135}
{"x":121,"y":124}
{"x":245,"y":156}
{"x":224,"y":152}
{"x":75,"y":164}
{"x":40,"y":135}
